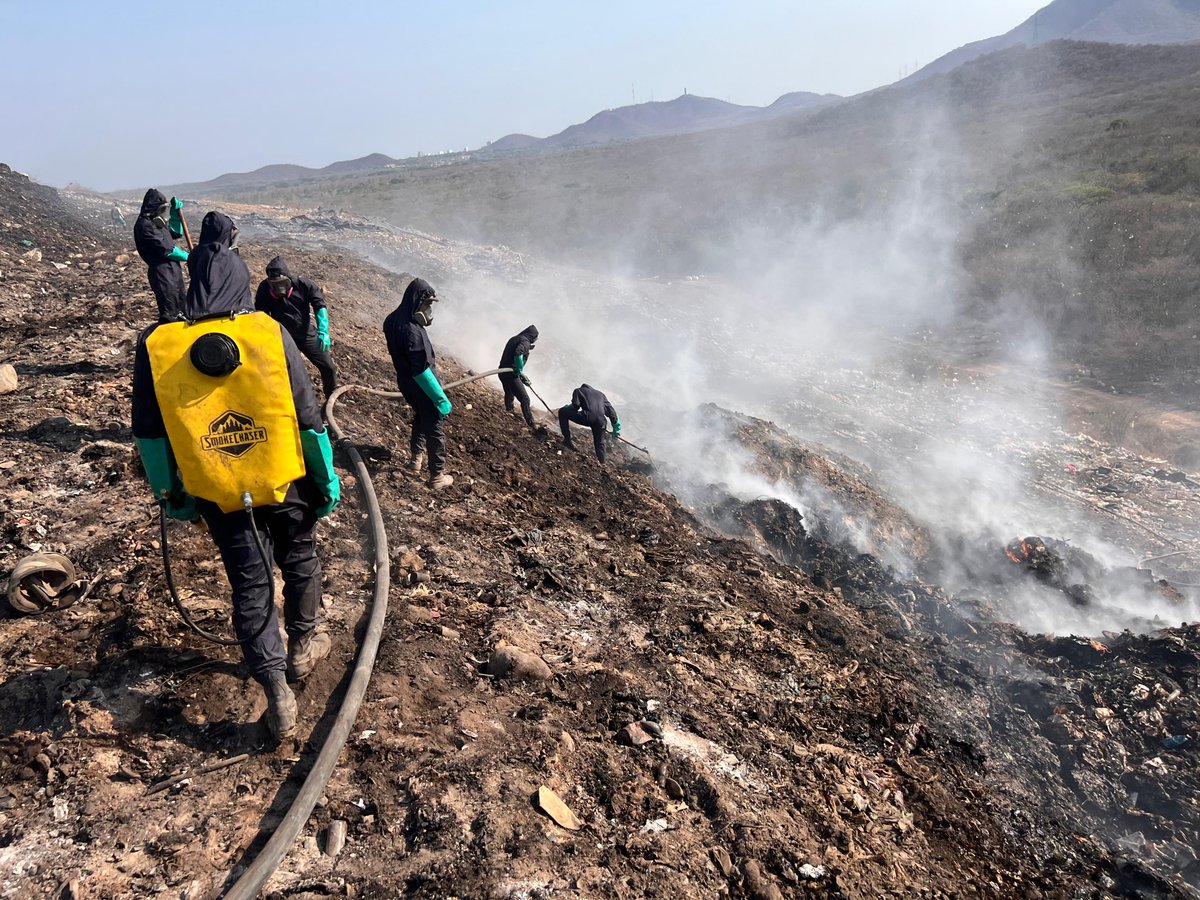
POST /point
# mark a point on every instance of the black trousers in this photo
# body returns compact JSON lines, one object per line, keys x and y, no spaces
{"x":311,"y":347}
{"x":427,"y":434}
{"x":569,"y":414}
{"x":515,"y":390}
{"x":166,"y":280}
{"x":288,"y":532}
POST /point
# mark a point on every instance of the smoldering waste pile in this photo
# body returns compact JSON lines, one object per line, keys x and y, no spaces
{"x":1116,"y":718}
{"x":717,"y":722}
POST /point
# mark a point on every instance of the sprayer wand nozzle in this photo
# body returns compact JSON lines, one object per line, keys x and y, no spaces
{"x":247,"y":501}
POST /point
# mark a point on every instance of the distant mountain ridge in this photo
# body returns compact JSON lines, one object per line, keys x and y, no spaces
{"x":685,"y":114}
{"x":1103,"y":21}
{"x":285,"y":172}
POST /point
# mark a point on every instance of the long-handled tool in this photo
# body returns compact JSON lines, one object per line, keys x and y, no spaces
{"x":187,"y":235}
{"x":539,"y":396}
{"x":631,"y":444}
{"x":617,"y":436}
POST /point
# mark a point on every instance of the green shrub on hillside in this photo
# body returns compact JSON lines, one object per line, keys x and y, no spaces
{"x":1175,"y":175}
{"x":1087,"y":194}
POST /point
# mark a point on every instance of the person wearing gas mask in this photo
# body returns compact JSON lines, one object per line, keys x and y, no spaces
{"x":228,"y":428}
{"x":515,"y":355}
{"x":589,"y":407}
{"x":298,"y":305}
{"x":416,"y":376}
{"x":158,"y":225}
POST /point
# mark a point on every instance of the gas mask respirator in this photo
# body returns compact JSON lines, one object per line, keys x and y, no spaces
{"x":280,"y":286}
{"x":423,"y":315}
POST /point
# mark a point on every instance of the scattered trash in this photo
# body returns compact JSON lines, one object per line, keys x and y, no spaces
{"x":1175,"y":741}
{"x":335,"y":837}
{"x":550,"y":803}
{"x":634,"y":735}
{"x":43,"y":582}
{"x":811,"y":872}
{"x":1134,"y":842}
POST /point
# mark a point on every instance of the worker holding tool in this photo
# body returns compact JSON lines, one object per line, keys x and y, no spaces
{"x":589,"y":407}
{"x":118,"y":217}
{"x":228,"y":428}
{"x":158,"y":226}
{"x":515,"y":356}
{"x":298,"y":305}
{"x":416,"y":376}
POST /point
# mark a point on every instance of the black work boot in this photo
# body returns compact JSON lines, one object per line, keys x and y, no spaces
{"x":305,"y":651}
{"x":281,"y":706}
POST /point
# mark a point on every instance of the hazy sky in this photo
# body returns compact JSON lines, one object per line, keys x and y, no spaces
{"x":126,"y":94}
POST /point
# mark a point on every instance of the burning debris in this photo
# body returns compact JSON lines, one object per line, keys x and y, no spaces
{"x":1082,"y":578}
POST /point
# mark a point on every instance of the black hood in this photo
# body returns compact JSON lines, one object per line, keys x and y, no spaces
{"x":152,"y":202}
{"x":532,"y":333}
{"x":278,"y":267}
{"x":220,"y":279}
{"x":417,"y":289}
{"x":217,"y":228}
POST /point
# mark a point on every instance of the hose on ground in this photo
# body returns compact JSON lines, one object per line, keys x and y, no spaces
{"x":178,"y":603}
{"x":251,"y":881}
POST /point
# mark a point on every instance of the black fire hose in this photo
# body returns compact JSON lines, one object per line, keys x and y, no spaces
{"x":183,"y":610}
{"x":251,"y":881}
{"x":395,"y":395}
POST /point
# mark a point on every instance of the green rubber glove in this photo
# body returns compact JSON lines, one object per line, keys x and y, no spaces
{"x":318,"y":460}
{"x":433,"y":390}
{"x":525,"y":380}
{"x":178,"y":253}
{"x":323,"y":329}
{"x":617,"y":428}
{"x":175,"y":221}
{"x":519,"y":364}
{"x":159,"y":464}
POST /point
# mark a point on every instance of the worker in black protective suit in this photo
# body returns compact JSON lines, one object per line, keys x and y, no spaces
{"x":589,"y":407}
{"x":251,"y":426}
{"x":416,"y":376}
{"x":298,"y":304}
{"x":158,"y":225}
{"x":515,"y":356}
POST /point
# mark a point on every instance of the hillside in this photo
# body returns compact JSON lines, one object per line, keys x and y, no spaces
{"x":1060,"y":178}
{"x":811,"y":723}
{"x":1107,"y":21}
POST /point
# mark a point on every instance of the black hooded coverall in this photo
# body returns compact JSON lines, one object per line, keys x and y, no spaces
{"x":154,"y":242}
{"x":588,"y":407}
{"x":518,"y":345}
{"x":297,"y":313}
{"x":221,"y":285}
{"x":412,"y":354}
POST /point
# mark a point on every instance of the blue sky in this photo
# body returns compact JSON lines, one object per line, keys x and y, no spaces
{"x":131,"y":94}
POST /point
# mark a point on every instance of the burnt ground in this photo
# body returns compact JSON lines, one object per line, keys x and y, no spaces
{"x":817,"y":727}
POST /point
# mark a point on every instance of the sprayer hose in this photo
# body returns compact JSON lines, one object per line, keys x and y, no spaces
{"x":183,"y":610}
{"x":251,"y":881}
{"x":395,"y":395}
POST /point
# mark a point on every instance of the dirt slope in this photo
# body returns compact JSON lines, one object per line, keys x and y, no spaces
{"x":856,"y":741}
